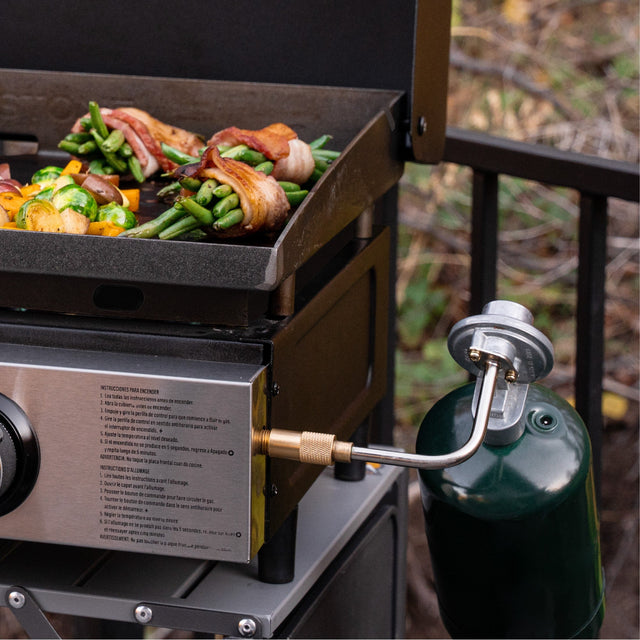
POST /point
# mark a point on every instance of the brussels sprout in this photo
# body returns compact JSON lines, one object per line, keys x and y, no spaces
{"x":117,"y":214}
{"x":38,"y":215}
{"x":62,"y":181}
{"x":45,"y":194}
{"x":72,"y":196}
{"x":46,"y":174}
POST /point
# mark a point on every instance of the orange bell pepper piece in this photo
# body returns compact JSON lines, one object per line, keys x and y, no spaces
{"x":104,"y":228}
{"x":30,"y":189}
{"x":133,"y":195}
{"x":11,"y":202}
{"x":73,"y":166}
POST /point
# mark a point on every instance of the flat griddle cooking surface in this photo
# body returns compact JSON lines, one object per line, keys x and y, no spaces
{"x":365,"y":129}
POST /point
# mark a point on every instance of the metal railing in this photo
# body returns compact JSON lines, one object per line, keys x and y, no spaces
{"x":596,"y":180}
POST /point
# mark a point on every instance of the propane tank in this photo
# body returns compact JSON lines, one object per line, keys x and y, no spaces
{"x":513,"y":531}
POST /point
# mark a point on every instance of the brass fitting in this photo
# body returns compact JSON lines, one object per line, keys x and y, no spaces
{"x":304,"y":446}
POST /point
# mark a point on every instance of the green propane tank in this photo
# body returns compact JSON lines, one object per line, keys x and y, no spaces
{"x":513,"y":530}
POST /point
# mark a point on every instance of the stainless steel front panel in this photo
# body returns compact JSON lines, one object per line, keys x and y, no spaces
{"x":143,"y":453}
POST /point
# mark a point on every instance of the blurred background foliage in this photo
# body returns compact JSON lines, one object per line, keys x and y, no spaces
{"x":555,"y":72}
{"x":562,"y":73}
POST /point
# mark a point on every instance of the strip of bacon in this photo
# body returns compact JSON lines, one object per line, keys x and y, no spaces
{"x":292,"y":158}
{"x":148,"y":162}
{"x":263,"y":201}
{"x":272,"y":141}
{"x":145,"y":134}
{"x":297,"y":166}
{"x":176,"y":137}
{"x":151,"y":145}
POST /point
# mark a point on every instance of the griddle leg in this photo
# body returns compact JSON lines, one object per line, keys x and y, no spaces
{"x":276,"y":558}
{"x":355,"y":470}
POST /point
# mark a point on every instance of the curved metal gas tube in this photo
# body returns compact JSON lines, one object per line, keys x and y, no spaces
{"x":323,"y":448}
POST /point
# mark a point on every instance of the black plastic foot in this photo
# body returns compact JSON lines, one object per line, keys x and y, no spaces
{"x":276,"y":558}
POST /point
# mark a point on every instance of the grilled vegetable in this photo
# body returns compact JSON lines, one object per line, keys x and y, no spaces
{"x":228,"y":220}
{"x":74,"y":222}
{"x":9,"y":186}
{"x":46,"y":174}
{"x":177,"y":156}
{"x":4,"y":216}
{"x":62,"y":205}
{"x":102,"y":190}
{"x":11,"y":202}
{"x":73,"y":196}
{"x":113,"y":141}
{"x":40,"y":215}
{"x":118,"y":215}
{"x":152,"y":228}
{"x":45,"y":194}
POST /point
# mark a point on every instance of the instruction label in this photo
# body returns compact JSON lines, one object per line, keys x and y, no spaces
{"x":170,"y":470}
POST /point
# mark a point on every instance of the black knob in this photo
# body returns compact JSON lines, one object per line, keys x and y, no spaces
{"x":19,"y":456}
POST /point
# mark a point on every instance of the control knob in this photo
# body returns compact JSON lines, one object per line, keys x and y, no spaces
{"x":19,"y":456}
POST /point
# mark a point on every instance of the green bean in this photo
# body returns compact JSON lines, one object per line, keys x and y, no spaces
{"x":325,"y":154}
{"x":188,"y":223}
{"x":97,"y":166}
{"x":170,"y":189}
{"x":190,"y":184}
{"x":296,"y":197}
{"x":231,"y":152}
{"x":205,"y":192}
{"x":153,"y":227}
{"x":321,"y":165}
{"x":78,"y":137}
{"x":225,"y":205}
{"x":265,"y":167}
{"x":318,"y":143}
{"x":113,"y":141}
{"x":96,"y":119}
{"x":125,"y":150}
{"x":222,"y":191}
{"x":229,"y":219}
{"x":177,"y":156}
{"x":136,"y":170}
{"x":117,"y":163}
{"x":196,"y":234}
{"x":289,"y":186}
{"x":87,"y":147}
{"x":69,"y":147}
{"x":244,"y":154}
{"x":86,"y":124}
{"x":200,"y":213}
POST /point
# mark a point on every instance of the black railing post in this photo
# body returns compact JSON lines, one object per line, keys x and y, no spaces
{"x":592,"y":240}
{"x":484,"y":239}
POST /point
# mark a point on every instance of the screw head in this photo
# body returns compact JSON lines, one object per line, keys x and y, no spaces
{"x":17,"y":599}
{"x":511,"y":376}
{"x":474,"y":355}
{"x":247,"y":627}
{"x":143,"y":614}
